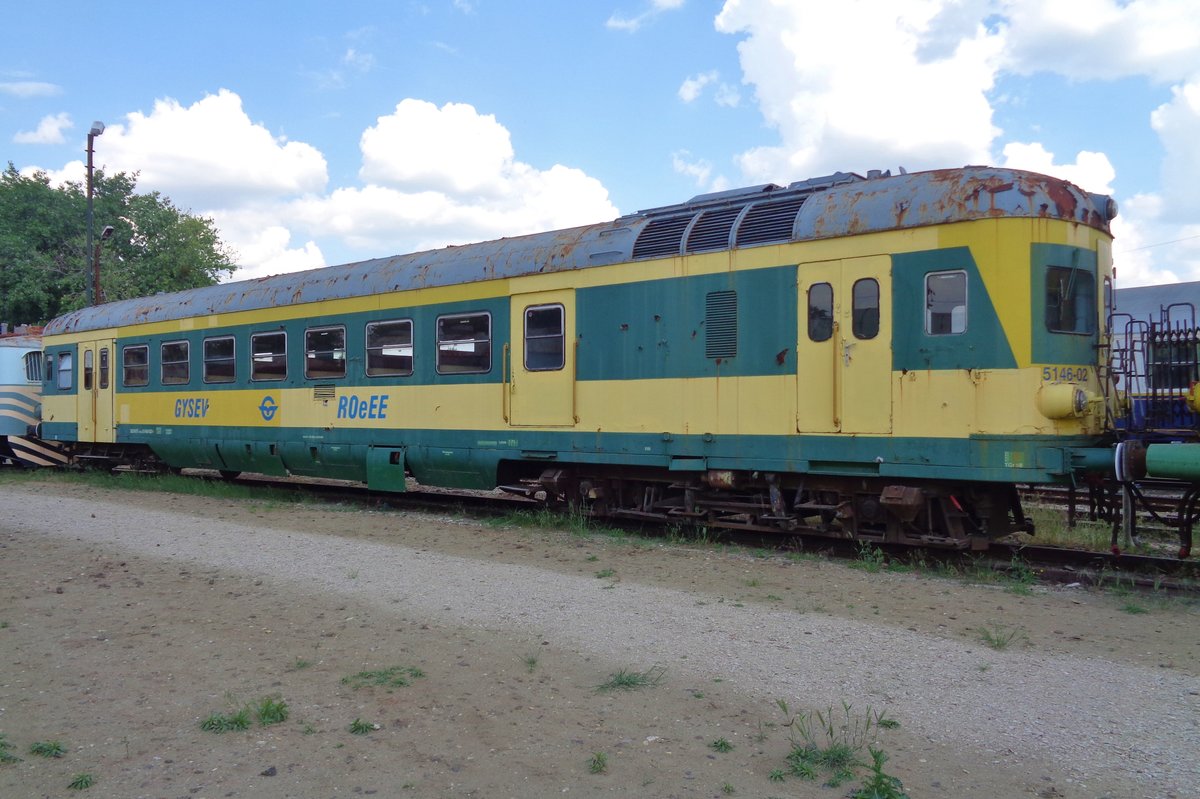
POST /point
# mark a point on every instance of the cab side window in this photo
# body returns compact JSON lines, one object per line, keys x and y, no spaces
{"x":946,"y":303}
{"x":66,"y":370}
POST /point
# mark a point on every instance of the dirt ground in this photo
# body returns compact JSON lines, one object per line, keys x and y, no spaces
{"x":121,"y":651}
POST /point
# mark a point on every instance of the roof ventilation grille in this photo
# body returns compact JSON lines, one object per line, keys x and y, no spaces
{"x":661,"y":237}
{"x":711,"y":231}
{"x":769,"y":222}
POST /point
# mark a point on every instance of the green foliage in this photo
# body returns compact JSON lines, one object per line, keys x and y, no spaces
{"x":7,"y":756}
{"x":830,"y":742}
{"x":721,"y":745}
{"x":271,"y":710}
{"x":997,"y":636}
{"x":43,"y":241}
{"x":360,"y":727}
{"x":227,"y":722}
{"x":393,"y":677}
{"x":47,"y":749}
{"x":625,"y":680}
{"x":598,"y":763}
{"x":879,"y":785}
{"x":870,"y":559}
{"x":82,"y":782}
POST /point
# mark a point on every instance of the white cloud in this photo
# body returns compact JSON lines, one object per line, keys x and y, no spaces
{"x":49,"y":130}
{"x":359,"y":61}
{"x":452,"y":148}
{"x":206,"y":150}
{"x":699,"y":170}
{"x":431,"y":177}
{"x":1091,"y":171}
{"x":632,"y":24}
{"x":857,"y":105}
{"x":437,"y":176}
{"x":1103,"y":39}
{"x":25,"y":89}
{"x":873,"y":83}
{"x":728,"y":96}
{"x":692,"y":86}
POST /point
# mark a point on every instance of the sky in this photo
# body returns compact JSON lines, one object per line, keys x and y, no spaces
{"x":315,"y":132}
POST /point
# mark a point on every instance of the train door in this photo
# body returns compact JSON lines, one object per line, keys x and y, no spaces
{"x":94,"y":411}
{"x":541,"y":360}
{"x":844,"y":349}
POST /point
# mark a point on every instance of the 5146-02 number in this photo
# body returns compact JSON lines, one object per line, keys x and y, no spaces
{"x":1065,"y":374}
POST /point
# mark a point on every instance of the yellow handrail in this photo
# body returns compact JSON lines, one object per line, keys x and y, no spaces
{"x":504,"y":384}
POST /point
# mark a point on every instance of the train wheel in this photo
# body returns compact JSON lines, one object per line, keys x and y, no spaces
{"x":229,"y":474}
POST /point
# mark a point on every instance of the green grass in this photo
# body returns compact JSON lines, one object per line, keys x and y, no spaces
{"x":271,"y":710}
{"x":227,"y":722}
{"x":47,"y":749}
{"x":598,"y":763}
{"x":531,"y":662}
{"x":870,"y":559}
{"x":164,"y":483}
{"x":81,"y":782}
{"x":360,"y":727}
{"x":831,"y":741}
{"x":998,"y":637}
{"x":393,"y":677}
{"x":721,"y":745}
{"x":626,"y":680}
{"x":604,"y":574}
{"x":1133,"y":608}
{"x":879,"y":785}
{"x":6,"y":755}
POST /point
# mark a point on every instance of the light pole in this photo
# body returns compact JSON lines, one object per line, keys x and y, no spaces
{"x":93,"y":277}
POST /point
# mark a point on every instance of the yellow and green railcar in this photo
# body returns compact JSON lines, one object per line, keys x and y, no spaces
{"x":20,"y":401}
{"x":880,"y":356}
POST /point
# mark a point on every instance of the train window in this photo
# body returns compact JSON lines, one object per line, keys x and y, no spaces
{"x":389,"y":348}
{"x":88,"y":359}
{"x":220,"y":362}
{"x":720,"y":324}
{"x":865,"y":315}
{"x":135,"y":365}
{"x":1109,"y":304}
{"x":104,"y":367}
{"x":325,"y":352}
{"x":66,"y":369}
{"x":268,"y":356}
{"x":946,"y":303}
{"x":545,"y":338}
{"x":33,"y":367}
{"x":464,"y":343}
{"x":820,"y":311}
{"x":174,"y":355}
{"x":1070,"y":300}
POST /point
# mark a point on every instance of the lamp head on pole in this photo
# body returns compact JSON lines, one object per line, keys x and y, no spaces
{"x":97,"y":128}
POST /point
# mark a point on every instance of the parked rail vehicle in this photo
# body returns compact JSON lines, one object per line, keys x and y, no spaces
{"x":20,"y":402}
{"x":881,"y":357}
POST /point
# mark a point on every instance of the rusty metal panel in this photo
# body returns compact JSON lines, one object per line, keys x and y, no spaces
{"x":843,"y":204}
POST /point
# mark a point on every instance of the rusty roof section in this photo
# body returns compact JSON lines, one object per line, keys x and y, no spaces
{"x":838,"y":205}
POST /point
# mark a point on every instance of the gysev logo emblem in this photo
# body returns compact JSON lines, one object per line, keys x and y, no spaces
{"x":267,"y":408}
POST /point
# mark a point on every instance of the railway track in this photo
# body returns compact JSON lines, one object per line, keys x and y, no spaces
{"x":1049,"y":564}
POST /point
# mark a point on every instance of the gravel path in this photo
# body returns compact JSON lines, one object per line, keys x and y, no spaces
{"x":1118,"y":723}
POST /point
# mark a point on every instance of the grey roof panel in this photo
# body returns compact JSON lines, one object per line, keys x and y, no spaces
{"x":836,"y":205}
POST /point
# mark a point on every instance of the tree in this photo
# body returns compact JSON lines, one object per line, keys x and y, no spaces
{"x":43,"y":235}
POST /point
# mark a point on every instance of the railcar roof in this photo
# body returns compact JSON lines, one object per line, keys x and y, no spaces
{"x":837,"y":205}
